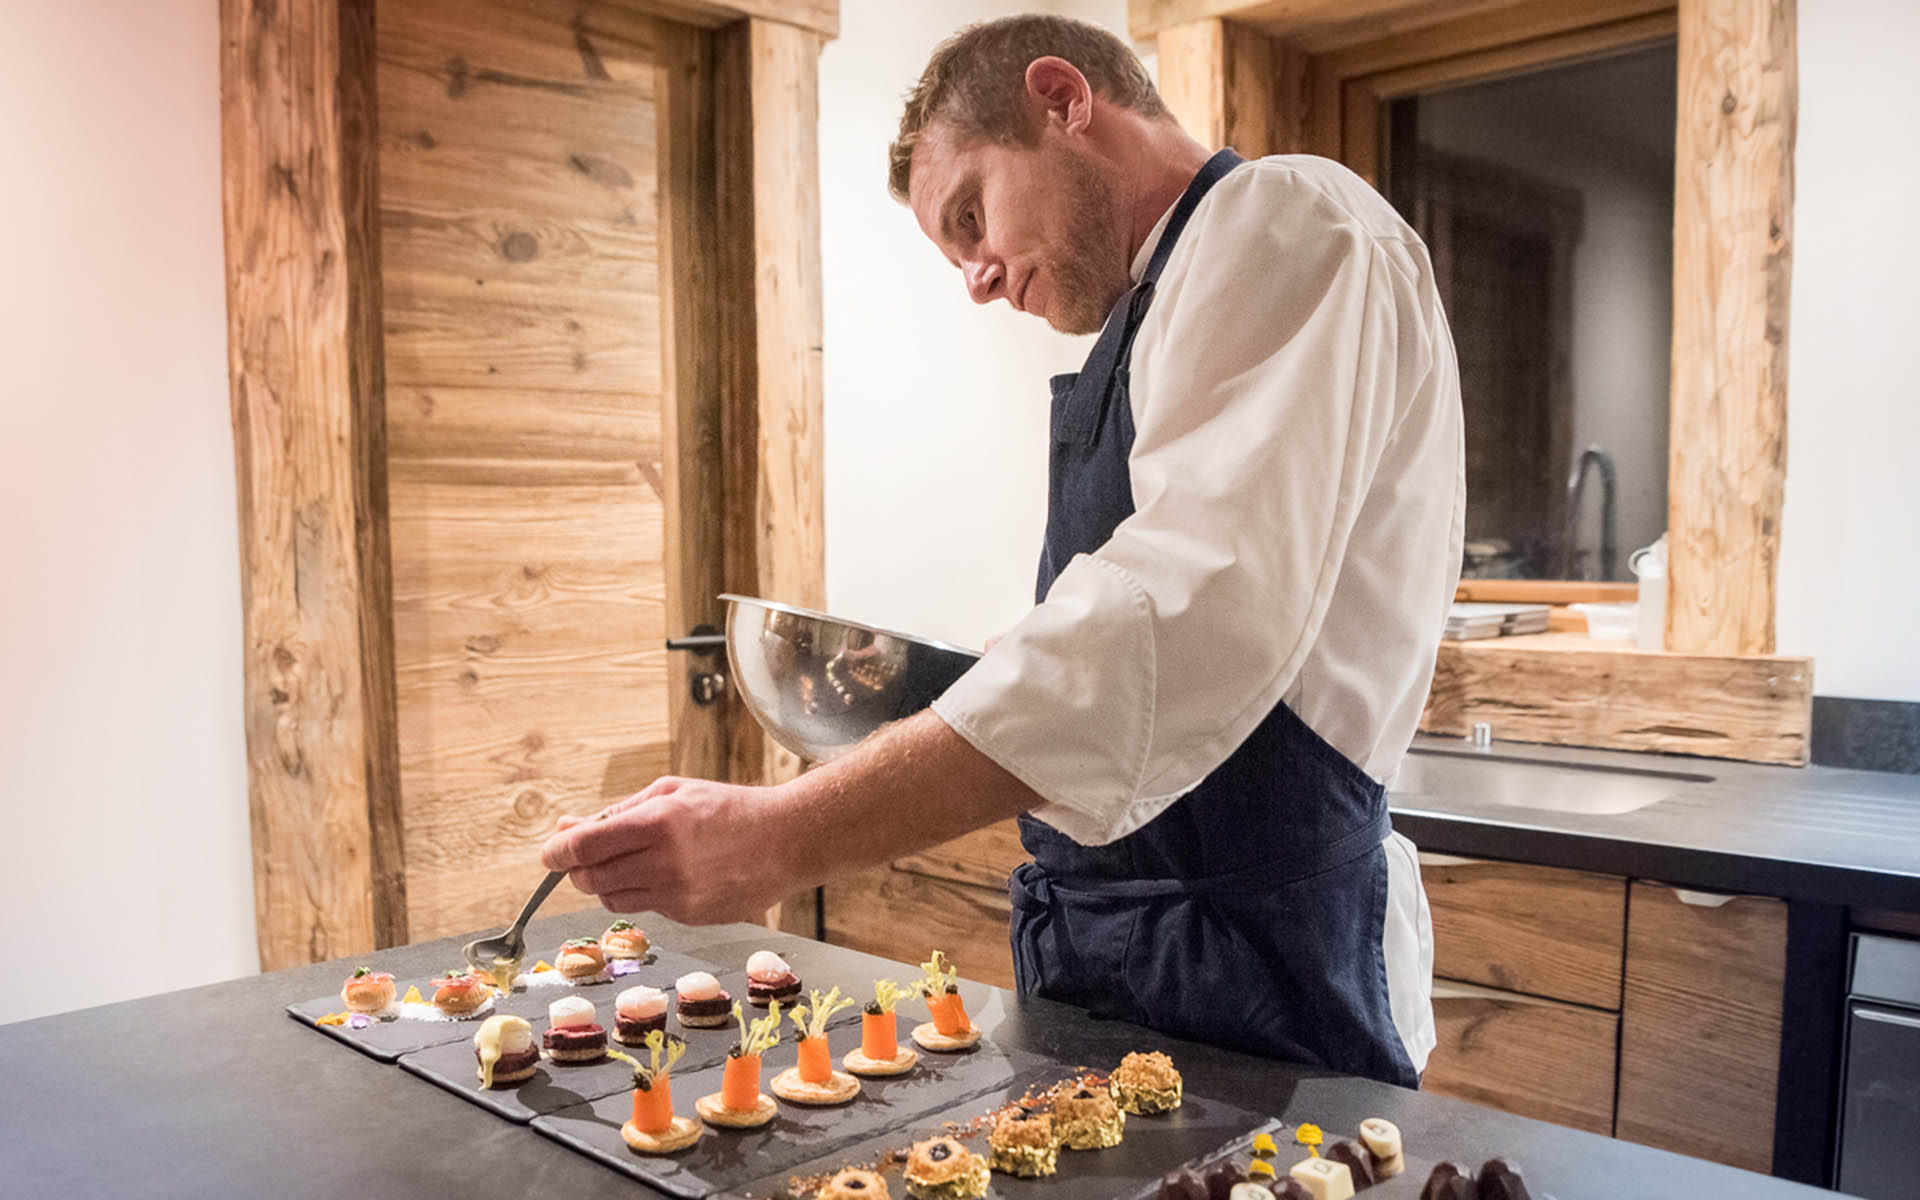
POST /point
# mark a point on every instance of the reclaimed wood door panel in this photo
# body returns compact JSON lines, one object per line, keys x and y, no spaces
{"x":1520,"y":1054}
{"x":1524,"y":928}
{"x":902,"y":914}
{"x":1700,"y":1023}
{"x":522,"y":188}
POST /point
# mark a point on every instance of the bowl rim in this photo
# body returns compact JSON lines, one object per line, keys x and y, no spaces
{"x":735,"y":598}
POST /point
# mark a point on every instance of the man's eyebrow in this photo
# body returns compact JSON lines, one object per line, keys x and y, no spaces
{"x":961,"y":193}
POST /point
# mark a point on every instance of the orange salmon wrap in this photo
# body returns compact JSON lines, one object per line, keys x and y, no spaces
{"x":879,"y":1036}
{"x":653,"y":1107}
{"x":816,"y":1066}
{"x":740,"y":1083}
{"x":949,"y":1015}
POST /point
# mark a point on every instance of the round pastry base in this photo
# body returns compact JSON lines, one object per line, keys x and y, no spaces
{"x":858,"y":1063}
{"x":577,"y":1058}
{"x":838,"y":1089}
{"x":713,"y":1112}
{"x":684,"y":1132}
{"x":763,"y":1001}
{"x":509,"y":1078}
{"x":929,"y":1036}
{"x":597,"y":975}
{"x":715,"y":1021}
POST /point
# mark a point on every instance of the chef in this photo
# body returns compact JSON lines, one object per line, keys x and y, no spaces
{"x":1253,"y":532}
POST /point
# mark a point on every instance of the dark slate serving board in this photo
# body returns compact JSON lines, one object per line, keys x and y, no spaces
{"x":1201,"y":1129}
{"x":731,"y":1158}
{"x":388,"y":1040}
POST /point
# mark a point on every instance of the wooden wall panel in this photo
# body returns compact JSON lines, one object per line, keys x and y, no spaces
{"x":522,"y":264}
{"x":1522,"y":928}
{"x":902,"y":914}
{"x":1537,"y":1058}
{"x":303,"y":310}
{"x":1217,"y":78}
{"x":1733,"y":262}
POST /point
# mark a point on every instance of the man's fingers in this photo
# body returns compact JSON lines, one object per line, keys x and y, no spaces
{"x":627,"y":902}
{"x":627,"y":873}
{"x":591,"y":842}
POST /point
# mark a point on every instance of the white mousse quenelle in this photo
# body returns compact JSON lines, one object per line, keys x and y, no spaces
{"x":636,"y":1011}
{"x":573,"y":1033}
{"x":769,"y":978}
{"x":704,"y":1004}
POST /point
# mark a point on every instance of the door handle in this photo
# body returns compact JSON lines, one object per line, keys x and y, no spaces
{"x":709,"y":685}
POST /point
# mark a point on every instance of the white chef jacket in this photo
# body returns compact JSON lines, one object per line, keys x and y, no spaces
{"x":1298,"y":477}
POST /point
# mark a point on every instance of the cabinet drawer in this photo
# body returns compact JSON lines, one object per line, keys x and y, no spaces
{"x":1700,"y":1023}
{"x":1540,"y":930}
{"x":1524,"y":1055}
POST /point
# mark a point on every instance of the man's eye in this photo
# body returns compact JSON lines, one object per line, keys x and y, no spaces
{"x":970,"y":222}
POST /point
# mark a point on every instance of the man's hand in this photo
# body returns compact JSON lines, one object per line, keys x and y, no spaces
{"x":693,"y":850}
{"x":703,"y":852}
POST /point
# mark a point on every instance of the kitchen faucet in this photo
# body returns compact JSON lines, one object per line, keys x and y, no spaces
{"x":1576,"y":486}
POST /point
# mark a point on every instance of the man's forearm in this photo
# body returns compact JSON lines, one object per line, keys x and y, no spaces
{"x":913,"y":785}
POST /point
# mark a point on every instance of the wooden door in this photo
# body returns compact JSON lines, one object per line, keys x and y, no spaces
{"x":524,"y":204}
{"x":509,"y":282}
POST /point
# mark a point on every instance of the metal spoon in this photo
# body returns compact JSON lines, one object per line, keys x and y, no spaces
{"x":512,"y":944}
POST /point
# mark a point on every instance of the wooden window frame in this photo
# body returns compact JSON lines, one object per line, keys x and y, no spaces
{"x":1311,"y":76}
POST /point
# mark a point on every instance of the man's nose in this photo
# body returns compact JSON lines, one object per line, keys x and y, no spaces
{"x":984,"y":280}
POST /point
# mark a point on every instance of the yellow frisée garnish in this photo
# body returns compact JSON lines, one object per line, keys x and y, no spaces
{"x":1260,"y":1168}
{"x":762,"y":1034}
{"x":628,"y":1059}
{"x":810,"y":1021}
{"x":940,"y":975}
{"x":332,"y":1019}
{"x":1309,"y":1136}
{"x":412,"y":997}
{"x":658,"y":1043}
{"x":1263,"y":1145}
{"x":887,"y":994}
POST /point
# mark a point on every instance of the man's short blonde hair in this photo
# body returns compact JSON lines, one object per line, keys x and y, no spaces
{"x":976,"y":83}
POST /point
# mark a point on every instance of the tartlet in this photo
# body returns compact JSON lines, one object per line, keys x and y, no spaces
{"x":942,"y":1169}
{"x":855,"y":1183}
{"x":367,"y":991}
{"x":1144,"y":1084}
{"x":1086,"y":1118}
{"x":462,"y":994}
{"x":573,"y":1036}
{"x":636,"y":1012}
{"x":703,"y":1003}
{"x":624,"y":939}
{"x":581,"y":960}
{"x":1022,"y":1143}
{"x":769,"y":978}
{"x":503,"y":1047}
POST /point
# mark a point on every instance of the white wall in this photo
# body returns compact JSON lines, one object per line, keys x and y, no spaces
{"x":936,"y":410}
{"x":123,"y":814}
{"x":1849,"y":548}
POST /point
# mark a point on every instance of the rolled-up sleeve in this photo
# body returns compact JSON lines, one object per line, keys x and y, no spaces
{"x":1266,"y":379}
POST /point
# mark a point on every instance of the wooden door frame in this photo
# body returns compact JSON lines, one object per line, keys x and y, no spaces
{"x":1309,"y":76}
{"x":299,"y":172}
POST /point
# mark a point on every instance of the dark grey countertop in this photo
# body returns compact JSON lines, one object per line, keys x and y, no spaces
{"x":214,"y":1091}
{"x":1810,"y":833}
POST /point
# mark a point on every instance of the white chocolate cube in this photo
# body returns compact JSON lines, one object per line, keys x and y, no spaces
{"x":1326,"y":1179}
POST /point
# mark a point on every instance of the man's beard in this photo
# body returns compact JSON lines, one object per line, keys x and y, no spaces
{"x":1089,"y":274}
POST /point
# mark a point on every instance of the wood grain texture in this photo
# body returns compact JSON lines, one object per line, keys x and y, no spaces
{"x":1145,"y":18}
{"x":902,"y":914}
{"x":1218,"y":78}
{"x":820,"y":16}
{"x":768,"y":198}
{"x":1546,"y":591}
{"x":1522,"y":928}
{"x":1732,"y":268}
{"x":1700,"y":1025}
{"x":984,"y":858}
{"x":1437,"y":32}
{"x":1513,"y":57}
{"x":303,"y":344}
{"x":526,"y":333}
{"x":1523,"y":1055}
{"x":1572,"y":691}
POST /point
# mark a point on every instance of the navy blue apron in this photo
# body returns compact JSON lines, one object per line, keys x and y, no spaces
{"x":1249,"y":913}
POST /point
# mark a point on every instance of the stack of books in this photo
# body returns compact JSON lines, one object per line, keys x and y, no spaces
{"x":1466,"y":621}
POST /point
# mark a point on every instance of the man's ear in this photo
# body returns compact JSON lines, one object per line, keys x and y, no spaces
{"x":1061,"y":92}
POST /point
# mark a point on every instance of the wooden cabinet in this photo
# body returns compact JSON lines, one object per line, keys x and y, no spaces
{"x":1538,"y":930}
{"x":1523,"y":1054}
{"x":1700,"y":1024}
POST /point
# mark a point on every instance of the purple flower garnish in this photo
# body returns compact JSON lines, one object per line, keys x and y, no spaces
{"x":622,"y":966}
{"x":359,"y":1021}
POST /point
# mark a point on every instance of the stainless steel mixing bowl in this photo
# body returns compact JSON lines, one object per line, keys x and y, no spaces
{"x":818,"y":685}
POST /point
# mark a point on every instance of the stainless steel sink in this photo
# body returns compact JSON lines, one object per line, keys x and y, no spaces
{"x":1515,"y":781}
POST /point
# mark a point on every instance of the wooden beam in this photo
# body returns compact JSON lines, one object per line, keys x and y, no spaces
{"x":1217,"y":78}
{"x":820,"y":16}
{"x":1146,"y":18}
{"x":1573,"y":691}
{"x":1732,"y":267}
{"x":298,"y":156}
{"x":767,"y":112}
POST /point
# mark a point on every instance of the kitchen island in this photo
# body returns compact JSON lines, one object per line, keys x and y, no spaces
{"x":214,"y":1091}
